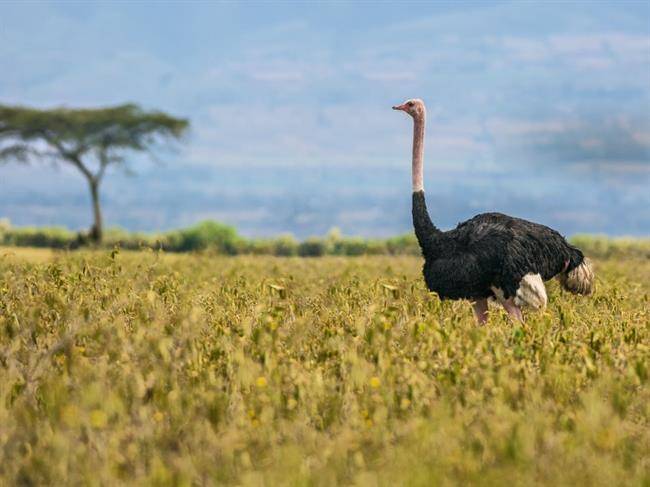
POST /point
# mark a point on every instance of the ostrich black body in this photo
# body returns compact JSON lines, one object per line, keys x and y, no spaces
{"x":489,"y":250}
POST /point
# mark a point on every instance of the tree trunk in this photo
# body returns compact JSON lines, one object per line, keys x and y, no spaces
{"x":96,"y":232}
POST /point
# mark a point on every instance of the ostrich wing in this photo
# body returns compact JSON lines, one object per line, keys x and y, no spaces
{"x":509,"y":248}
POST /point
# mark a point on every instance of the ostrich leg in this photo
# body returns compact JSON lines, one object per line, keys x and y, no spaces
{"x":481,"y":311}
{"x":513,"y":310}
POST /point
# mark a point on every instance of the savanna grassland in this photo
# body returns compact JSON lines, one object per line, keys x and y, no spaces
{"x":144,"y":368}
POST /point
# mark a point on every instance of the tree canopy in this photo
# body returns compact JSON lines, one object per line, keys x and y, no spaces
{"x":74,"y":132}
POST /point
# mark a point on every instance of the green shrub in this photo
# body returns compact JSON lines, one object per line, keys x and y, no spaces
{"x":54,"y":237}
{"x":118,"y":237}
{"x":376,"y":247}
{"x":203,"y":236}
{"x":312,"y":247}
{"x":285,"y":245}
{"x":350,"y":246}
{"x":282,"y":246}
{"x":403,"y":245}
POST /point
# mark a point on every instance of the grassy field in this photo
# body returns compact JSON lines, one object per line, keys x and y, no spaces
{"x":145,"y":368}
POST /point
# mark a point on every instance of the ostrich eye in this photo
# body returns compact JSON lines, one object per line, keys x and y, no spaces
{"x":410,"y":103}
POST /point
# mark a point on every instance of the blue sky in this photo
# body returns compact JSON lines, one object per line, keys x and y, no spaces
{"x":537,"y":109}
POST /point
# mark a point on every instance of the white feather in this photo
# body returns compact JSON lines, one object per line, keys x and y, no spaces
{"x":531,"y":292}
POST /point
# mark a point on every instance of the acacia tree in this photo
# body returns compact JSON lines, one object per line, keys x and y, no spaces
{"x":88,"y":139}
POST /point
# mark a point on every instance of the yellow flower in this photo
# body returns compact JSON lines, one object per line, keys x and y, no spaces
{"x":261,"y":382}
{"x":98,"y":419}
{"x":375,"y":382}
{"x":158,"y":416}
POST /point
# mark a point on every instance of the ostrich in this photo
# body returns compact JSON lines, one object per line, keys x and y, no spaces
{"x":491,"y":255}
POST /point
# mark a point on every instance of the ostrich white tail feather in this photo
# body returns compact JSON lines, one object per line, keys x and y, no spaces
{"x":579,"y":280}
{"x":531,"y":292}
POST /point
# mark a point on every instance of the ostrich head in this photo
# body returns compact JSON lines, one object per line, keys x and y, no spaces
{"x":414,"y":107}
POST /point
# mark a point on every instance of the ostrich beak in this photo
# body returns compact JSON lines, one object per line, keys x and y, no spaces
{"x":400,"y":107}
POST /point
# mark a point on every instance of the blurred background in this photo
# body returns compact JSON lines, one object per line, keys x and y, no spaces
{"x":536,"y":109}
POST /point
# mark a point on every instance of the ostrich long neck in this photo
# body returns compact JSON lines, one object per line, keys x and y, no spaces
{"x":419,"y":123}
{"x":425,"y":231}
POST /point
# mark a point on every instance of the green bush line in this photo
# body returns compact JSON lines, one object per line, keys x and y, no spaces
{"x":223,"y":239}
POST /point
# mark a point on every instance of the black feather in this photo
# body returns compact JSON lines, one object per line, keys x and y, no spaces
{"x":488,"y":250}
